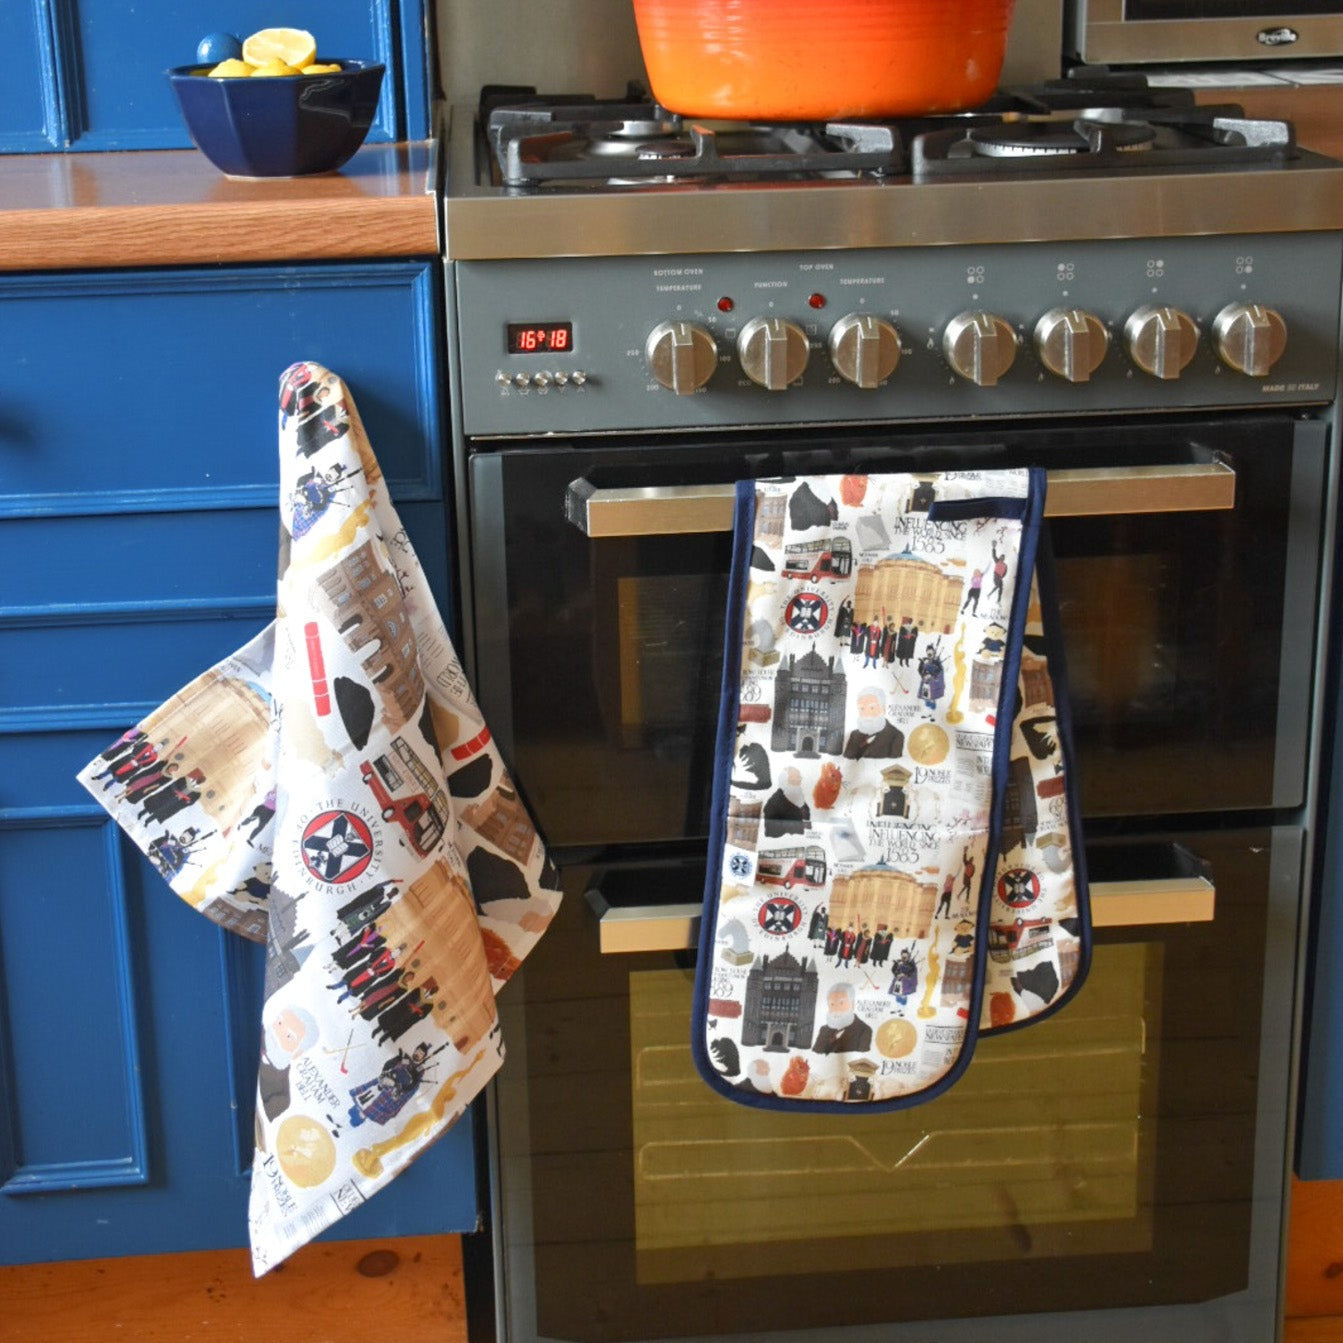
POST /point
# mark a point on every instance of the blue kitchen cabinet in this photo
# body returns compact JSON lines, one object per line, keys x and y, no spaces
{"x":138,"y":534}
{"x":91,"y":75}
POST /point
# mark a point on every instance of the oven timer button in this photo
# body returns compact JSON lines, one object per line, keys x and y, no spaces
{"x":681,"y":356}
{"x":1161,"y":341}
{"x":1249,"y":337}
{"x":1071,"y":343}
{"x":864,"y":349}
{"x":980,"y":346}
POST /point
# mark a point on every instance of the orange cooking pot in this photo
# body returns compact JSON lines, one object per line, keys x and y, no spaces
{"x":813,"y":60}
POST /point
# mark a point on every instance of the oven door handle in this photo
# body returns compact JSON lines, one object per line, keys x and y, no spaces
{"x":674,"y":510}
{"x":1114,"y":904}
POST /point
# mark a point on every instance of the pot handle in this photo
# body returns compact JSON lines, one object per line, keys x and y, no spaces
{"x":1088,"y":492}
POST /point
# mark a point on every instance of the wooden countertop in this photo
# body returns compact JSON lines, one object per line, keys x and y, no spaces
{"x":173,"y":207}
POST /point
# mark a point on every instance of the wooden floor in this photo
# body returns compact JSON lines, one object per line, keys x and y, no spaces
{"x":406,"y":1290}
{"x":411,"y":1290}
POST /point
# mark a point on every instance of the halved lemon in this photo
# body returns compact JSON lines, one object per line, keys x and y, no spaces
{"x":291,"y":46}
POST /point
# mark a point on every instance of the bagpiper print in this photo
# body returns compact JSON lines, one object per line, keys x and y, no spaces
{"x":331,"y":789}
{"x":891,"y":869}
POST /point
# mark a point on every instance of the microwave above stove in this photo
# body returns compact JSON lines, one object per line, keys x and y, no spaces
{"x":1165,"y":32}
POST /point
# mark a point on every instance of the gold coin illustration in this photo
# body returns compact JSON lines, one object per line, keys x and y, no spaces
{"x":896,"y":1038}
{"x":305,"y":1151}
{"x":928,"y":744}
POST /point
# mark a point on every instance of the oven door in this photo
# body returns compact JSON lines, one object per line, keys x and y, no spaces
{"x":1187,"y":555}
{"x":1112,"y":1173}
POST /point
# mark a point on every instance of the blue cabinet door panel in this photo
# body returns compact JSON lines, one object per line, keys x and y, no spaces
{"x":127,"y":1082}
{"x":29,"y":108}
{"x":75,"y":1112}
{"x":108,"y":567}
{"x":129,"y":1075}
{"x":126,"y":392}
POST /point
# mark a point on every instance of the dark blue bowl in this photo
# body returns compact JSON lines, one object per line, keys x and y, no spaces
{"x":279,"y":125}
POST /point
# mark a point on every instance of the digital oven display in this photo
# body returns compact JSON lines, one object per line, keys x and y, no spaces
{"x":540,"y":337}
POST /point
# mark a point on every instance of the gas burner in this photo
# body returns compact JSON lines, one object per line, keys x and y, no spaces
{"x":1030,"y":139}
{"x":630,"y":145}
{"x":1106,"y":139}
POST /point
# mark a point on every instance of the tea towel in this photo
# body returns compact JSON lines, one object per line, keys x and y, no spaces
{"x":332,"y":790}
{"x":892,"y":866}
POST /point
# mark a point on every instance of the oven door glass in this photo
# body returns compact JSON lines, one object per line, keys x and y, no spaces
{"x":1100,"y":1160}
{"x":1188,"y":633}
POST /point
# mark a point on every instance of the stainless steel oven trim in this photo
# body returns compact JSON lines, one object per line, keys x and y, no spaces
{"x":1087,"y":492}
{"x":483,"y":223}
{"x":1302,"y":602}
{"x":1114,"y":904}
{"x":1099,"y":34}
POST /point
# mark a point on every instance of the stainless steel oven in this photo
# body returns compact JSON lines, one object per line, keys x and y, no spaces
{"x":1113,"y":1173}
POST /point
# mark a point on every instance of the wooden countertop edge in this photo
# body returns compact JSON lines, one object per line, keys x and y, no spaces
{"x":183,"y":234}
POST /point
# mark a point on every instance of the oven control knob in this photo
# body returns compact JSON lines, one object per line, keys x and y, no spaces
{"x":864,"y":349}
{"x":1071,"y":343}
{"x":773,"y":352}
{"x":682,"y":356}
{"x":1161,"y":341}
{"x":979,"y":346}
{"x":1249,"y":337}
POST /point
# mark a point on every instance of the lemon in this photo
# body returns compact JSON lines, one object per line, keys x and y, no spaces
{"x":320,"y":70}
{"x":292,"y":46}
{"x":230,"y":69}
{"x":272,"y":68}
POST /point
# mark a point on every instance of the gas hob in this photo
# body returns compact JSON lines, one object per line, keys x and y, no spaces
{"x":1106,"y":156}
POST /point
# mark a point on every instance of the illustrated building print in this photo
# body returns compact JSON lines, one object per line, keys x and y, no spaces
{"x":905,"y":587}
{"x":883,"y":897}
{"x":894,"y":798}
{"x":770,"y":512}
{"x":224,"y":714}
{"x":986,"y":678}
{"x":1021,"y":816}
{"x":250,"y":923}
{"x":364,"y":603}
{"x":808,"y":706}
{"x":743,"y":822}
{"x":957,"y":976}
{"x":503,"y":820}
{"x":780,"y":1008}
{"x":1036,"y":687}
{"x":437,"y":912}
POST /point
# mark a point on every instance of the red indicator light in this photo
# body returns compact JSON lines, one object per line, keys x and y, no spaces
{"x":725,"y":304}
{"x":817,"y":300}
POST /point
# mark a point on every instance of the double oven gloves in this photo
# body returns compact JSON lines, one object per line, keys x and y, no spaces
{"x":332,"y":791}
{"x":894,"y":863}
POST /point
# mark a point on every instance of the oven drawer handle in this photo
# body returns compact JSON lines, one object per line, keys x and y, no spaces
{"x":1114,"y":904}
{"x":673,"y":510}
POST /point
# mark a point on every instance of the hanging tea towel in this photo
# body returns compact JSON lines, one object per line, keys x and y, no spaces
{"x":891,"y":867}
{"x":331,"y":789}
